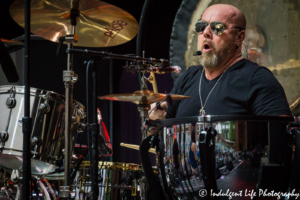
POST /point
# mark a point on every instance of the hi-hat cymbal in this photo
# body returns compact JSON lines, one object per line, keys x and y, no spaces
{"x":11,"y":42}
{"x":142,"y":97}
{"x":99,"y":24}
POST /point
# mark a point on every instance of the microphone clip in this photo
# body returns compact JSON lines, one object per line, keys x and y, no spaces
{"x":197,"y":53}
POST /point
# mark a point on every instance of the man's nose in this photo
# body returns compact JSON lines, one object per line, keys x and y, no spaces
{"x":207,"y":33}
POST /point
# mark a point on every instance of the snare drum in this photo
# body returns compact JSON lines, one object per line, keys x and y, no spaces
{"x":237,"y":153}
{"x":47,"y":110}
{"x":116,"y":181}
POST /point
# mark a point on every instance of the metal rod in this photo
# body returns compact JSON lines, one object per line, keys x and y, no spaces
{"x":143,"y":109}
{"x":95,"y":131}
{"x":26,"y":119}
{"x":104,"y":54}
{"x":68,"y":115}
{"x":140,"y":39}
{"x":111,"y":123}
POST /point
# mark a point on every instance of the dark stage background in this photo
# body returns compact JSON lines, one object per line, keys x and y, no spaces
{"x":47,"y":68}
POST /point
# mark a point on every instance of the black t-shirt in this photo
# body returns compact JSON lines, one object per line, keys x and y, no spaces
{"x":245,"y":89}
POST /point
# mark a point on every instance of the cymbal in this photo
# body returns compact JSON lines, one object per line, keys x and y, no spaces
{"x":142,"y":97}
{"x":99,"y":24}
{"x":11,"y":42}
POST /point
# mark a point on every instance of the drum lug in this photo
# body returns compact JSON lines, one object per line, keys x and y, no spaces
{"x":36,"y":143}
{"x":3,"y":139}
{"x":10,"y":102}
{"x":3,"y":136}
{"x":44,"y":108}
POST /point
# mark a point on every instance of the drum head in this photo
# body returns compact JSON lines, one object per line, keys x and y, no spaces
{"x":16,"y":162}
{"x":47,"y":110}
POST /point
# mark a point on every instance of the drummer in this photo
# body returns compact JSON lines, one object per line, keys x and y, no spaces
{"x":224,"y":83}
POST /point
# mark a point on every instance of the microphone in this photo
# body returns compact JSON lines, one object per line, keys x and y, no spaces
{"x":197,"y":53}
{"x":8,"y":65}
{"x":158,"y":70}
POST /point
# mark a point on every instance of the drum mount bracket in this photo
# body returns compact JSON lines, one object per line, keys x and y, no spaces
{"x":11,"y":100}
{"x":17,"y":180}
{"x":3,"y":139}
{"x":6,"y":189}
{"x":69,"y":77}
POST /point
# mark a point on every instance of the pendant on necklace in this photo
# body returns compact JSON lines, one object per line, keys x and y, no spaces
{"x":202,"y":111}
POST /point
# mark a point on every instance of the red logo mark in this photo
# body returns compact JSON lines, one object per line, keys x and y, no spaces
{"x":115,"y":28}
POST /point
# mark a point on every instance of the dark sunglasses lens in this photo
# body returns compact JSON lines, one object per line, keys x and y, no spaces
{"x":200,"y":26}
{"x":217,"y":27}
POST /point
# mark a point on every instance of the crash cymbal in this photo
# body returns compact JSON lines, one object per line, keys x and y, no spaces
{"x":142,"y":97}
{"x":11,"y":42}
{"x":99,"y":24}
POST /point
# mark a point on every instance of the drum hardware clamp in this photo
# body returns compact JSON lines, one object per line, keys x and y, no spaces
{"x":3,"y":139}
{"x":17,"y":180}
{"x":6,"y":188}
{"x":45,"y":107}
{"x":11,"y":101}
{"x":35,"y":142}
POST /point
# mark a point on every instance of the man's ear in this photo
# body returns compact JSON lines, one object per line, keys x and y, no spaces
{"x":240,"y":36}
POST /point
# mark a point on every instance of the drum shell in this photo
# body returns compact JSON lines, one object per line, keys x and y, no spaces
{"x":253,"y":149}
{"x":116,"y":180}
{"x":47,"y":127}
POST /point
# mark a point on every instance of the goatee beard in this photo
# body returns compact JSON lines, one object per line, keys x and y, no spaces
{"x":212,"y":59}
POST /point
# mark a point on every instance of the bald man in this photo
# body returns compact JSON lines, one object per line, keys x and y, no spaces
{"x":224,"y":83}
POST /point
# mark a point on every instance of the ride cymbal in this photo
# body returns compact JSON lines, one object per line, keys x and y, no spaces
{"x":99,"y":24}
{"x":142,"y":97}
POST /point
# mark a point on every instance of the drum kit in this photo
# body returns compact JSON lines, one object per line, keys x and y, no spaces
{"x":57,"y":120}
{"x":58,"y":169}
{"x":237,"y":153}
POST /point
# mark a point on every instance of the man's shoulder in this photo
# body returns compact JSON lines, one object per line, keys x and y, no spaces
{"x":190,"y":72}
{"x":249,"y":67}
{"x":194,"y":68}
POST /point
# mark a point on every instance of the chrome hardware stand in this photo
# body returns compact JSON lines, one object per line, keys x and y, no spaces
{"x":69,"y":79}
{"x":27,"y":121}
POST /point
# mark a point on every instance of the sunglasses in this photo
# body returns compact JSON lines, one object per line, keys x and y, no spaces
{"x":217,"y":27}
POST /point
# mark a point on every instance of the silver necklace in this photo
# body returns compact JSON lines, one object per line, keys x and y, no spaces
{"x":202,"y":111}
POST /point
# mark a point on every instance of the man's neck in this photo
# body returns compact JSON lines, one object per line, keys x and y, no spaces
{"x":211,"y":74}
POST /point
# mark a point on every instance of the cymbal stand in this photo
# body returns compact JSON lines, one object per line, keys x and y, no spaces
{"x":143,"y":108}
{"x":27,"y":120}
{"x":69,"y":79}
{"x":95,"y":62}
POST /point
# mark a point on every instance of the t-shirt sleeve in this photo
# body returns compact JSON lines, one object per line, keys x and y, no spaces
{"x":267,"y":96}
{"x":171,"y":111}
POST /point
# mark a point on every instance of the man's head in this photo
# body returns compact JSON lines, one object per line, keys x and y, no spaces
{"x":217,"y":47}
